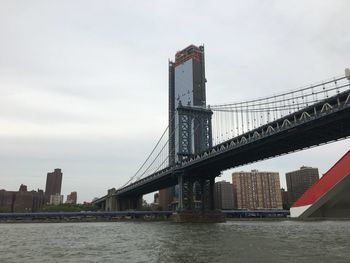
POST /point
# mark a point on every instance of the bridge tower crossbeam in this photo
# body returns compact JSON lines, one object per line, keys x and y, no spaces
{"x":194,"y":132}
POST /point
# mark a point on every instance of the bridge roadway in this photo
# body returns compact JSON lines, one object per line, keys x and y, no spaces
{"x":320,"y":123}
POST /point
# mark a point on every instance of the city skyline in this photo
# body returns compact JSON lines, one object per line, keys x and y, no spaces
{"x":79,"y":92}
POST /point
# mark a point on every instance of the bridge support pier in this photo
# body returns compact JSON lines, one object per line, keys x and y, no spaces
{"x":207,"y":192}
{"x":187,"y":211}
{"x":186,"y":192}
{"x":110,"y":203}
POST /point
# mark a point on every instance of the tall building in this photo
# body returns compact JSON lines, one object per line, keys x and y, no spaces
{"x":223,"y":195}
{"x":257,"y":190}
{"x":53,"y":184}
{"x":166,"y":197}
{"x":7,"y":199}
{"x":21,"y":201}
{"x":187,"y":88}
{"x":72,"y":198}
{"x":56,"y":199}
{"x":299,"y":181}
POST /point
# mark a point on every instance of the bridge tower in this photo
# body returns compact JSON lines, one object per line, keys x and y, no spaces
{"x":189,"y":125}
{"x":186,"y":88}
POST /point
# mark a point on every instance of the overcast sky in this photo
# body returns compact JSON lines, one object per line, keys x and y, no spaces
{"x":84,"y":84}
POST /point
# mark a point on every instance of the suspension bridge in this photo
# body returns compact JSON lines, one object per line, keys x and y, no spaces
{"x":236,"y":134}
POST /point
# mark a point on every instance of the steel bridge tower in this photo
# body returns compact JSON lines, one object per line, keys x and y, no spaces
{"x":190,"y":129}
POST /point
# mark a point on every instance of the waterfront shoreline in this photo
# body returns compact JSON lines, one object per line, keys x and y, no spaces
{"x":143,"y":220}
{"x":93,"y":220}
{"x":81,"y":221}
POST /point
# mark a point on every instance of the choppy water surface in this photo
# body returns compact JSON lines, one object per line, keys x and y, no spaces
{"x":169,"y":242}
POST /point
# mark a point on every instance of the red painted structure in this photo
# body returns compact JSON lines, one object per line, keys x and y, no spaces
{"x":334,"y":184}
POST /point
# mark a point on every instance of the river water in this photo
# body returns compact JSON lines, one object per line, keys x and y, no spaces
{"x":234,"y":241}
